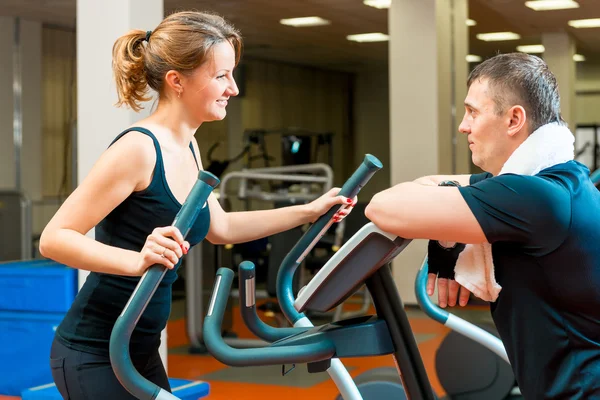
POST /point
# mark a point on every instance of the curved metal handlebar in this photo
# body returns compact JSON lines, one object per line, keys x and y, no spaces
{"x":247,"y":287}
{"x":285,"y":294}
{"x":434,"y":312}
{"x":316,"y":351}
{"x":455,"y":323}
{"x":120,"y":358}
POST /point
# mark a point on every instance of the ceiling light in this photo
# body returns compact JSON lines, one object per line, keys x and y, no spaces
{"x":471,"y":22}
{"x":498,"y":36}
{"x":578,"y":58}
{"x":545,"y":5}
{"x":585,"y":23}
{"x":531,"y":48}
{"x":368,"y":37}
{"x":473,"y":58}
{"x":305,"y":21}
{"x":378,"y":3}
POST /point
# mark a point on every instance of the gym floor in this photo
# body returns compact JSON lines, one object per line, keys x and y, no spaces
{"x":268,"y":383}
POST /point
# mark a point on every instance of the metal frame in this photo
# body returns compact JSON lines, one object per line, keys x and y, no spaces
{"x":194,"y":298}
{"x":286,"y":173}
{"x":407,"y":358}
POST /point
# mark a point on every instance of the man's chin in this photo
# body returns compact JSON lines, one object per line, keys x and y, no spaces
{"x":478,"y":163}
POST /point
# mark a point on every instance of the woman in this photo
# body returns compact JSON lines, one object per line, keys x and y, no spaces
{"x":134,"y":191}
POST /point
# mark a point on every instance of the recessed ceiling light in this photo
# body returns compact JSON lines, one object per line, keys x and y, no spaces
{"x":473,"y":58}
{"x":304,"y":21}
{"x":578,"y":58}
{"x":545,"y":5}
{"x":378,"y":3}
{"x":531,"y":48}
{"x":471,"y":22}
{"x":498,"y":36}
{"x":368,"y":37}
{"x":585,"y":23}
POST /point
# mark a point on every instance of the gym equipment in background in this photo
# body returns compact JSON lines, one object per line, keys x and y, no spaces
{"x":298,"y":147}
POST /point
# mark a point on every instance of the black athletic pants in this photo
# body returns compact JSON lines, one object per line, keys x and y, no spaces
{"x":79,"y":375}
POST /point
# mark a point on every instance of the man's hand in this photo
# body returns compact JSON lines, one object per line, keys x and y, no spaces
{"x":448,"y":291}
{"x":442,"y":260}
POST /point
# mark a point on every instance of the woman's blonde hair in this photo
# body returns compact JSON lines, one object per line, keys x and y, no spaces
{"x":181,"y":42}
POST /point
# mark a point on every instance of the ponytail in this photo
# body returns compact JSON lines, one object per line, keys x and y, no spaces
{"x":129,"y":69}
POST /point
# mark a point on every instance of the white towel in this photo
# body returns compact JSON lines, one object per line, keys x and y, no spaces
{"x":549,"y":145}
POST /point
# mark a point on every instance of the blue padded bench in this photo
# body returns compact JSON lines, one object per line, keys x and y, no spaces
{"x":34,"y":297}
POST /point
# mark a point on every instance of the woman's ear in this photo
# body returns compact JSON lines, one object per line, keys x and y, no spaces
{"x":173,"y":81}
{"x":517,"y":119}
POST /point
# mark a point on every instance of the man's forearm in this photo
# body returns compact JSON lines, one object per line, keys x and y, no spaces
{"x":434,"y":180}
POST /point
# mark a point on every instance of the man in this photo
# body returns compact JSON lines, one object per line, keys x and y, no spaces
{"x":543,"y":226}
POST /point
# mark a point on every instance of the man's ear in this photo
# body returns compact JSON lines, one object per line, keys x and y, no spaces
{"x":517,"y":119}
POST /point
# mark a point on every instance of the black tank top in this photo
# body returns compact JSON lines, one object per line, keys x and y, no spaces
{"x":89,"y":322}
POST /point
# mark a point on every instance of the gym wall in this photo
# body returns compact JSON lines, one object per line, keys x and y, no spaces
{"x":281,"y":95}
{"x":587,"y":99}
{"x":372,"y":125}
{"x":276,"y":95}
{"x":30,"y":36}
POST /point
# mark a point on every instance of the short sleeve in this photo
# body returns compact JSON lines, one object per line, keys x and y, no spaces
{"x":528,"y":210}
{"x":475,"y":178}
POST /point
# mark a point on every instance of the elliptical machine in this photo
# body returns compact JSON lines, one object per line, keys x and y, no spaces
{"x":362,"y":259}
{"x":303,"y":344}
{"x":356,"y":261}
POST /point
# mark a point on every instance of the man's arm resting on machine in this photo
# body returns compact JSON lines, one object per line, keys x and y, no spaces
{"x":417,"y":211}
{"x":434,"y":180}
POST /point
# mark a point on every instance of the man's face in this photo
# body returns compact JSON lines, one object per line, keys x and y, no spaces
{"x":485,"y":130}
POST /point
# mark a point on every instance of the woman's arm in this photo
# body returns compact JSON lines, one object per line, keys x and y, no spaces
{"x":244,"y":226}
{"x":125,"y":167}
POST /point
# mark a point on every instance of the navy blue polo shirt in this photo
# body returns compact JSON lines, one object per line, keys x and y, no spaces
{"x":545,"y":236}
